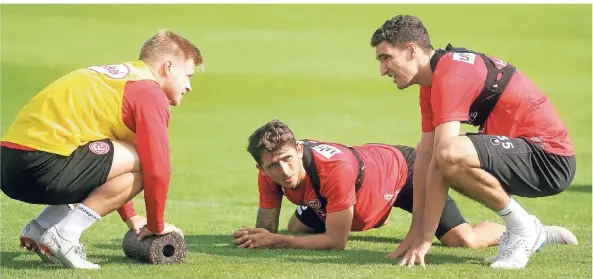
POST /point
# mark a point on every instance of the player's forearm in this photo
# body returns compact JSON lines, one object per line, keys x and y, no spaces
{"x":156,"y":175}
{"x":268,"y":219}
{"x":155,"y":197}
{"x":421,"y":165}
{"x":435,"y":201}
{"x":310,"y":242}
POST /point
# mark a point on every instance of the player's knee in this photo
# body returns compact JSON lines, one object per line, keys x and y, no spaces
{"x":450,"y":156}
{"x":125,"y":159}
{"x":459,"y":239}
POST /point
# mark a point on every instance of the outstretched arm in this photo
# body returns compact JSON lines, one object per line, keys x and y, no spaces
{"x":337,"y":229}
{"x":268,"y":219}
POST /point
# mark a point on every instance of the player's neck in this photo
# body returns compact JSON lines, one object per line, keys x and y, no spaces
{"x":154,"y":68}
{"x":302,"y":178}
{"x":424,"y":77}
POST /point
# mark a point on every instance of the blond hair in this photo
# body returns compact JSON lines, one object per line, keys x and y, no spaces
{"x":168,"y":42}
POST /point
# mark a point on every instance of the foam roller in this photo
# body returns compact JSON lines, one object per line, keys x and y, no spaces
{"x":156,"y":249}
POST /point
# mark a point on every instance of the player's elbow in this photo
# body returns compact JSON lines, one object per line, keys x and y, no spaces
{"x":338,"y":243}
{"x":339,"y":246}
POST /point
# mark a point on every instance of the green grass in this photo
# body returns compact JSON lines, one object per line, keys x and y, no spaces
{"x":312,"y":67}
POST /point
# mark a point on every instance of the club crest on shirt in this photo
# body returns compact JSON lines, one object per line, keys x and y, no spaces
{"x":99,"y":147}
{"x":315,"y":204}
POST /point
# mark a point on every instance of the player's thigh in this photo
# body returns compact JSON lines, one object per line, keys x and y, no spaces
{"x":21,"y":171}
{"x":76,"y":176}
{"x":47,"y":178}
{"x":456,"y":151}
{"x":523,"y":168}
{"x":125,"y":159}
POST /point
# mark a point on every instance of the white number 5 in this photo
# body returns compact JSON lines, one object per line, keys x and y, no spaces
{"x":507,"y":145}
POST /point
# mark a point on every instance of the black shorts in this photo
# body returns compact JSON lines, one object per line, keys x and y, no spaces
{"x":39,"y":177}
{"x":523,"y":168}
{"x":450,"y":218}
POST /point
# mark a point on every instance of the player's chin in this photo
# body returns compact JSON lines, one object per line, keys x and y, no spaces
{"x":175,"y":102}
{"x":402,"y":86}
{"x":290,"y":185}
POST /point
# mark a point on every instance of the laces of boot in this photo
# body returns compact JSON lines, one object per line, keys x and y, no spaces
{"x":510,"y":246}
{"x":79,"y":250}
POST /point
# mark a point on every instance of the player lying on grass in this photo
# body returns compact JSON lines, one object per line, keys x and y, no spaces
{"x":338,"y":189}
{"x":97,"y":136}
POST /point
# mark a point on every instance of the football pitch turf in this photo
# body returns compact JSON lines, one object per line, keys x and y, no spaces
{"x":312,"y":67}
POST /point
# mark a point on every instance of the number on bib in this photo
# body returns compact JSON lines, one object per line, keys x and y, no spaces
{"x":326,"y":150}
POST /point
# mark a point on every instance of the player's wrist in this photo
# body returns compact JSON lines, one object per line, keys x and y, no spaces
{"x":155,"y":227}
{"x":130,"y":218}
{"x":282,"y":241}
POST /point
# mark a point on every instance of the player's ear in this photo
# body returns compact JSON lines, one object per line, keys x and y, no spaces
{"x":412,"y":49}
{"x":299,"y":148}
{"x":260,"y":169}
{"x":168,"y":67}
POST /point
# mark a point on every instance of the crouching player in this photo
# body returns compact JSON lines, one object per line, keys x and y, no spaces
{"x":97,"y":137}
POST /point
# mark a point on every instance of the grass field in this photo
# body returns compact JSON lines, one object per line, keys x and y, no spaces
{"x":312,"y":67}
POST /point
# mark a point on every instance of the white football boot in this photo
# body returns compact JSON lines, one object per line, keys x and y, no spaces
{"x":30,"y":237}
{"x":554,"y":235}
{"x":560,"y":235}
{"x":515,"y":250}
{"x":70,"y":254}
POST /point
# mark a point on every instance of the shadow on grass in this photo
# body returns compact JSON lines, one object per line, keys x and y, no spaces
{"x":579,"y":188}
{"x":221,"y":245}
{"x":375,"y":239}
{"x":10,"y":260}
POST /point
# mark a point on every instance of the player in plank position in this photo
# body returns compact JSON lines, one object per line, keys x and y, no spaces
{"x":339,"y":189}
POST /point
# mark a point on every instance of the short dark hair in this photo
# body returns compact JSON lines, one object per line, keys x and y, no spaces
{"x":402,"y":29}
{"x":272,"y":136}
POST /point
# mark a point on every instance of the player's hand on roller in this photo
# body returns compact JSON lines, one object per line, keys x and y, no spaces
{"x":136,"y":223}
{"x":145,"y":232}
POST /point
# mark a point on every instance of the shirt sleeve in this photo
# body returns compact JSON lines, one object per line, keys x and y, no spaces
{"x":148,"y":105}
{"x":269,"y":194}
{"x":339,"y":187}
{"x":127,"y":211}
{"x":451,"y":97}
{"x":426,"y":110}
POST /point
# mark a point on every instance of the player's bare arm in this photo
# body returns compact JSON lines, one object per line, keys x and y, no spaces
{"x":434,"y":199}
{"x":268,"y":219}
{"x":337,"y":229}
{"x":423,"y":158}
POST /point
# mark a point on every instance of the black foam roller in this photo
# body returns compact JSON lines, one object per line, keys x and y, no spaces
{"x":156,"y":249}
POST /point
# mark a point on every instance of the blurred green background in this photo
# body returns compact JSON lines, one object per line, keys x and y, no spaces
{"x":312,"y":67}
